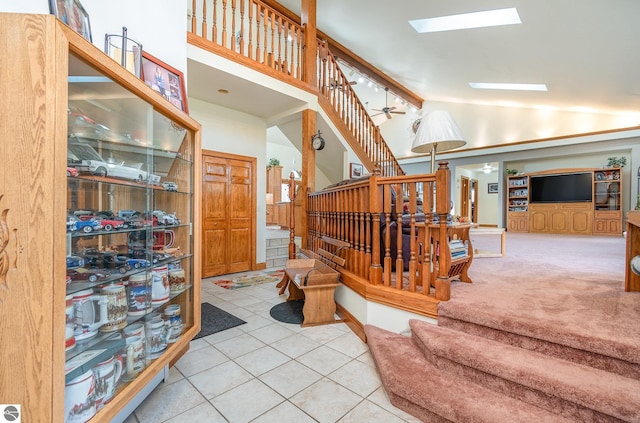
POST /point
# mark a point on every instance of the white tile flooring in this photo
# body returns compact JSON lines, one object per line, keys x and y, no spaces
{"x":268,"y":371}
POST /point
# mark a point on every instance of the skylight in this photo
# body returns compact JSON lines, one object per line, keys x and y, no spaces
{"x":467,"y":20}
{"x":508,"y":86}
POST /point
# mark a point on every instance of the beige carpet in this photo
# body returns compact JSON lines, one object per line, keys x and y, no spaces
{"x":545,"y":334}
{"x":550,"y":285}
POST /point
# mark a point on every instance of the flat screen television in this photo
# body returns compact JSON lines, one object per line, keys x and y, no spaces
{"x":565,"y":188}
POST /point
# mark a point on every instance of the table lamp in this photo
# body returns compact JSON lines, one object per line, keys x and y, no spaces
{"x":437,"y":131}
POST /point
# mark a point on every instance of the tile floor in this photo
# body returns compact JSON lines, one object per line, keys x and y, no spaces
{"x":268,"y":371}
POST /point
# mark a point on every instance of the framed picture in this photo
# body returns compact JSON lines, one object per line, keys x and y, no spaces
{"x":73,"y":14}
{"x":166,"y":80}
{"x":492,"y":188}
{"x":355,"y":170}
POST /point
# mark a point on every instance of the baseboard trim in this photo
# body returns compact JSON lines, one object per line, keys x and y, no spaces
{"x":260,"y":266}
{"x":354,"y":324}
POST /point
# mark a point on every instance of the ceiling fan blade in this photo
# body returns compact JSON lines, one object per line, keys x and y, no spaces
{"x":398,"y":112}
{"x":387,"y":114}
{"x":377,"y":114}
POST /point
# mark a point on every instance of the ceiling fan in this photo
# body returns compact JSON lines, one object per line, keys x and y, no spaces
{"x":487,"y":168}
{"x":333,"y":84}
{"x":386,"y":109}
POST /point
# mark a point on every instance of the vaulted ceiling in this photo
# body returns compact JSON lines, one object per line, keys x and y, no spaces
{"x":585,"y":51}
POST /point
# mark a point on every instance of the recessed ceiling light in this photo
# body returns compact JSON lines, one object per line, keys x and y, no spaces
{"x":223,"y":91}
{"x":467,"y":20}
{"x":508,"y":86}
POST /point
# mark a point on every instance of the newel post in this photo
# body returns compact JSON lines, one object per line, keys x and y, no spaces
{"x":443,"y":206}
{"x":375,"y":207}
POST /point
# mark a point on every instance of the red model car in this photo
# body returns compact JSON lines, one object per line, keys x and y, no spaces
{"x":111,"y":224}
{"x":86,"y":275}
{"x":72,"y":171}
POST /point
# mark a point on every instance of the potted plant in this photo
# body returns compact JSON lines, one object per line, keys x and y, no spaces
{"x":616,"y":162}
{"x":273,"y":162}
{"x":512,"y":171}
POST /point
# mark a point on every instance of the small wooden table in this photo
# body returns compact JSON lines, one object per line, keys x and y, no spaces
{"x":432,"y":254}
{"x":315,"y":282}
{"x":475,"y":231}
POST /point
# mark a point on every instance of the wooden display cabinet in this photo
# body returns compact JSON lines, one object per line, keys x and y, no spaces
{"x":602,"y":215}
{"x":607,"y":213}
{"x":518,"y":203}
{"x":63,"y":101}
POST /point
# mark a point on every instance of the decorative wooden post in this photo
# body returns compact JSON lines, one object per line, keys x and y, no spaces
{"x":293,"y":191}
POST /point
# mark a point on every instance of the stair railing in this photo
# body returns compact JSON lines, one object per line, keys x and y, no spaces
{"x":362,"y":134}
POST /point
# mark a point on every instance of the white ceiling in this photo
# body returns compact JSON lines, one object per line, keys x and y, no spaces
{"x":586,"y":52}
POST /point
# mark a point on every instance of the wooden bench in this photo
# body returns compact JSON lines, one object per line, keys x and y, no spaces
{"x":315,"y":282}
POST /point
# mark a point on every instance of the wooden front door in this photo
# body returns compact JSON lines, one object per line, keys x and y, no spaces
{"x":228,"y":213}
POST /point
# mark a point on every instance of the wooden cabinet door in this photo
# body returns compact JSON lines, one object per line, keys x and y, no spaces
{"x":228,"y":205}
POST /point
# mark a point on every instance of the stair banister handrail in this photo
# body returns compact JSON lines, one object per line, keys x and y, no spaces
{"x":334,"y":86}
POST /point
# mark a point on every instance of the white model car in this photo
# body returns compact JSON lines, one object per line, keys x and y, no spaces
{"x":86,"y":159}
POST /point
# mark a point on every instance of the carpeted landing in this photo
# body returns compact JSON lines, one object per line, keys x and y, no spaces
{"x":545,"y":334}
{"x":445,"y":375}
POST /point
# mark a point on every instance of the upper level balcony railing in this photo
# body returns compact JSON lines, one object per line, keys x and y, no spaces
{"x":252,"y":30}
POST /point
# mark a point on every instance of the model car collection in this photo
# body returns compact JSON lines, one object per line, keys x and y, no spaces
{"x":86,"y":159}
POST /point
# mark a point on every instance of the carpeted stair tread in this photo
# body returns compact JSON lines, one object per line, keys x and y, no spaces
{"x":423,"y":390}
{"x":552,"y":383}
{"x":577,"y":315}
{"x":555,"y":339}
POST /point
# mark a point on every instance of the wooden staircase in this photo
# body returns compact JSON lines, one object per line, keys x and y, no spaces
{"x":440,"y":374}
{"x":259,"y":36}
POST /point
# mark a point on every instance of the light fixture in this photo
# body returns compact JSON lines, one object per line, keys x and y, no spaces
{"x":508,"y":86}
{"x":437,"y":131}
{"x":483,"y":19}
{"x":487,"y":168}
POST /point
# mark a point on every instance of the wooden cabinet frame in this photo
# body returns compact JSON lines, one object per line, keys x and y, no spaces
{"x":589,"y":218}
{"x":33,"y":202}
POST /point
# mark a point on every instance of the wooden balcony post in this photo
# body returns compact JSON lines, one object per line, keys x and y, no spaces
{"x":308,"y":22}
{"x":308,"y":165}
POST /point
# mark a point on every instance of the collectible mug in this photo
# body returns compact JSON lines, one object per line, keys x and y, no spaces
{"x":163,"y":239}
{"x":139,"y":294}
{"x":136,"y":360}
{"x":174,"y":321}
{"x":90,"y":312}
{"x":136,"y":329}
{"x":159,"y":285}
{"x":80,"y":398}
{"x":176,"y":280}
{"x":107,"y":375}
{"x":117,"y":307}
{"x":157,"y":332}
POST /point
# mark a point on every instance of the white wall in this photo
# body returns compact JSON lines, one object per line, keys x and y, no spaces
{"x":230,"y":131}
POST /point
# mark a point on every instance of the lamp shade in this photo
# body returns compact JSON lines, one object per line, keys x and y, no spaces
{"x":437,"y":131}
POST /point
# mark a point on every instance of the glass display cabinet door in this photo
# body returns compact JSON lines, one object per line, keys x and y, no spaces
{"x":129,"y":237}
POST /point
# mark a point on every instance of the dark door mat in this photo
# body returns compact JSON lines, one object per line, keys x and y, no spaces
{"x":288,"y":312}
{"x":215,"y":320}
